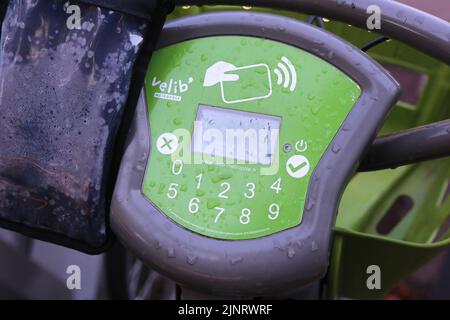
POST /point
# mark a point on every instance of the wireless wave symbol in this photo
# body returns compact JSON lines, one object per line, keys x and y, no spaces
{"x":286,"y":74}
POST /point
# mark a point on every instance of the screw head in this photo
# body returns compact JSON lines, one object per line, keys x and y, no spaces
{"x":287,"y":147}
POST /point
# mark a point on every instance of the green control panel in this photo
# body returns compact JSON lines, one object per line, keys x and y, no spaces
{"x":237,"y":126}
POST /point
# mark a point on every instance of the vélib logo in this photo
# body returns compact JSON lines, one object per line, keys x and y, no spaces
{"x":170,"y":90}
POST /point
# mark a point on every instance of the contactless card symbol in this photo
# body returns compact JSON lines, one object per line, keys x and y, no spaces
{"x":286,"y":74}
{"x":251,"y":82}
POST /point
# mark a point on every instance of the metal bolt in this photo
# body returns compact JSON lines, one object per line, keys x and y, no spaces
{"x":287,"y":147}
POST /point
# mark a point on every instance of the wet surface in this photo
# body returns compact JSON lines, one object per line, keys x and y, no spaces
{"x":62,"y":94}
{"x":438,"y":8}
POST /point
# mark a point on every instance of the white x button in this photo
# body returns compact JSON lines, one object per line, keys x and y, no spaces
{"x":167,"y":143}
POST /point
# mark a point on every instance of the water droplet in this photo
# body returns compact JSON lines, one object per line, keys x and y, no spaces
{"x":212,"y":203}
{"x":171,"y":253}
{"x":347,"y":127}
{"x":139,"y":167}
{"x":336,"y":148}
{"x":309,"y":205}
{"x":290,"y":253}
{"x":191,"y":259}
{"x":221,"y":177}
{"x":314,"y":246}
{"x":236,"y":260}
{"x":318,"y":42}
{"x":399,"y":14}
{"x":278,"y":246}
{"x":120,"y":198}
{"x":315,"y":109}
{"x":419,"y":19}
{"x":200,"y":193}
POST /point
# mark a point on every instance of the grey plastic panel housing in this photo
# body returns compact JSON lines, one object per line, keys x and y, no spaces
{"x":283,"y":261}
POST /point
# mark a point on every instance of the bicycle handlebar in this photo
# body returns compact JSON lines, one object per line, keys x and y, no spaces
{"x":398,"y":21}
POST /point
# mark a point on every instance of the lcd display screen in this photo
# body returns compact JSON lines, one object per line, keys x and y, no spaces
{"x":240,"y":136}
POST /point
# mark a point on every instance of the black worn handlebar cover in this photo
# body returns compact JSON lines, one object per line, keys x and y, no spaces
{"x":66,"y":89}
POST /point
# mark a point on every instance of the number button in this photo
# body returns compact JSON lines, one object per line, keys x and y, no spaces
{"x":172,"y":191}
{"x":219,"y":213}
{"x":177,"y":167}
{"x":245,"y":216}
{"x":199,"y":180}
{"x":276,"y":186}
{"x":194,"y":205}
{"x":250,"y":194}
{"x":274,"y":211}
{"x":226,"y":187}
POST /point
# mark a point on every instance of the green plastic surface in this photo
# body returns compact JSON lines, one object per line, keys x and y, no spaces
{"x":240,"y":200}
